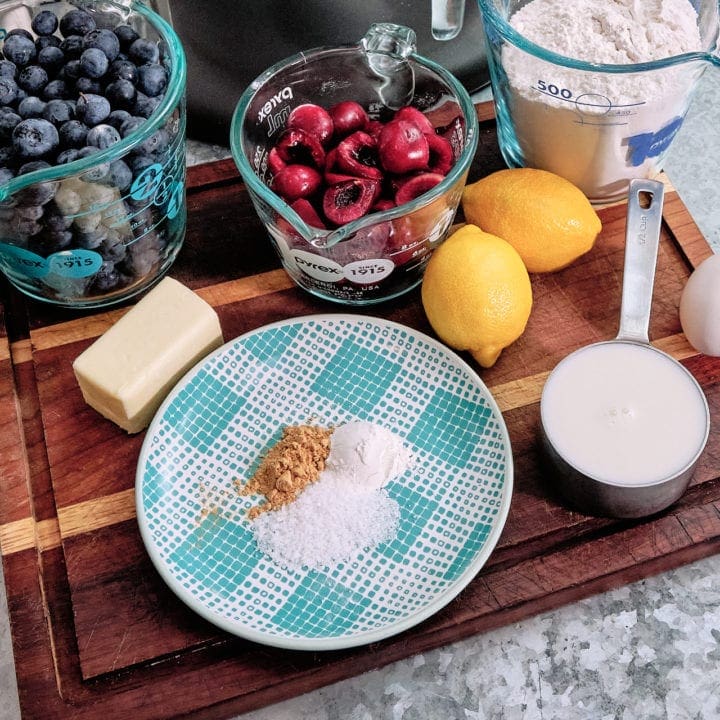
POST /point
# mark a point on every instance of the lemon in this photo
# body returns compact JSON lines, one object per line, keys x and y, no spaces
{"x":476,"y":293}
{"x":544,"y":217}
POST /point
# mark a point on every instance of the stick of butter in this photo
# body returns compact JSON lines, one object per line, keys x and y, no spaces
{"x":127,"y":372}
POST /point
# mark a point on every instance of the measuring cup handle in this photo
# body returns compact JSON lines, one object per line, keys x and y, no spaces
{"x":642,"y":237}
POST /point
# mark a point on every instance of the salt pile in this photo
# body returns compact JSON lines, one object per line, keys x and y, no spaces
{"x":346,"y":510}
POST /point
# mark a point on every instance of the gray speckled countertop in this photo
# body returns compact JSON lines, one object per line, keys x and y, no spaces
{"x":649,"y":650}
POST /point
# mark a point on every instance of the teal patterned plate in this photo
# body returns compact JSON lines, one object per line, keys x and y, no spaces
{"x":327,"y":369}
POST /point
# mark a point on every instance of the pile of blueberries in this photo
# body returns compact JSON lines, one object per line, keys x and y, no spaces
{"x":69,"y":89}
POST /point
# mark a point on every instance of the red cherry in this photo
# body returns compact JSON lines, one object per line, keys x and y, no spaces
{"x":332,"y":174}
{"x":441,"y":154}
{"x":275,"y":162}
{"x":314,"y":120}
{"x":348,"y":116}
{"x":307,"y":212}
{"x":350,"y":200}
{"x":297,"y":147}
{"x":417,"y":185}
{"x":357,"y":155}
{"x":403,"y":148}
{"x":413,"y":115}
{"x":296,"y":181}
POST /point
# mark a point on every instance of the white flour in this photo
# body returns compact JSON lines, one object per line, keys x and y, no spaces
{"x":600,"y":129}
{"x":346,"y":510}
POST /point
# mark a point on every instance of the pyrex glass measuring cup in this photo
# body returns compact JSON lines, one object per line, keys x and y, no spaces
{"x":383,"y":254}
{"x":598,"y":125}
{"x":622,"y":422}
{"x":104,"y":227}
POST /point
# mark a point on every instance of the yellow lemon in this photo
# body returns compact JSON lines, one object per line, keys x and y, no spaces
{"x":544,"y":217}
{"x":476,"y":293}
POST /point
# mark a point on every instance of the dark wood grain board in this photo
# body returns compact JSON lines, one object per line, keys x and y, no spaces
{"x":95,"y":630}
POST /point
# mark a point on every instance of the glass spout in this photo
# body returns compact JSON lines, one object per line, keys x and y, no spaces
{"x":388,"y":48}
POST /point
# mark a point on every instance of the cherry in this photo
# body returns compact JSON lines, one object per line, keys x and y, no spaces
{"x":297,"y":147}
{"x":314,"y":120}
{"x":349,"y":200}
{"x":441,"y":154}
{"x":348,"y":116}
{"x":415,"y":116}
{"x":402,"y":147}
{"x":296,"y":181}
{"x":333,"y":176}
{"x":275,"y":162}
{"x":357,"y":155}
{"x":417,"y":185}
{"x":307,"y":212}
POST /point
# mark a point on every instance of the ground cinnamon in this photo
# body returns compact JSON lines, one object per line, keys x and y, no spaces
{"x":293,"y":463}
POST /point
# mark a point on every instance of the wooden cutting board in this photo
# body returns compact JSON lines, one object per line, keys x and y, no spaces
{"x":97,"y":634}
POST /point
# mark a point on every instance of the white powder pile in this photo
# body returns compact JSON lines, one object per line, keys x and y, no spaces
{"x":346,"y":510}
{"x":599,"y":129}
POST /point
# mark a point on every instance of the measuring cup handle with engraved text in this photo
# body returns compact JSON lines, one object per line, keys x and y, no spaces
{"x":642,"y":238}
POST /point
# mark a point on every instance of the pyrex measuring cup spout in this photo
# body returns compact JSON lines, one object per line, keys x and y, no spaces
{"x":642,"y":237}
{"x":388,"y":48}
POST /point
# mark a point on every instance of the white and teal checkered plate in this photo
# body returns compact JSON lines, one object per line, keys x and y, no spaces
{"x":327,"y":369}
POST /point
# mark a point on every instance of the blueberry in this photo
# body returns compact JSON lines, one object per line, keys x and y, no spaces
{"x":57,"y":112}
{"x":6,"y":175}
{"x":8,"y":69}
{"x":31,"y":106}
{"x":93,"y":62}
{"x":51,"y":58}
{"x":7,"y":156}
{"x":92,"y":109}
{"x":73,"y":134}
{"x":21,"y":31}
{"x":145,"y":106}
{"x":35,"y":137}
{"x":8,"y":123}
{"x":67,"y":156}
{"x":19,"y":49}
{"x":121,"y":94}
{"x":152,"y":79}
{"x":8,"y":91}
{"x":131,"y":125}
{"x":122,"y":70}
{"x":105,"y":40}
{"x":103,"y":136}
{"x":107,"y":278}
{"x":85,"y":85}
{"x":32,"y":79}
{"x":56,"y":90}
{"x":76,"y":22}
{"x":40,"y":192}
{"x":44,"y":23}
{"x":45,"y":41}
{"x":126,"y":35}
{"x":117,"y":117}
{"x":72,"y":46}
{"x":143,"y":51}
{"x":113,"y":248}
{"x":157,"y":142}
{"x":120,"y":175}
{"x":71,"y":70}
{"x":32,"y":166}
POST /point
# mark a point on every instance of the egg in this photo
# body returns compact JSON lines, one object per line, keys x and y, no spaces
{"x":700,"y":307}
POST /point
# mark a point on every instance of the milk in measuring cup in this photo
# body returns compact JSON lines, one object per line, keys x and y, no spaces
{"x":599,"y":129}
{"x":624,"y":413}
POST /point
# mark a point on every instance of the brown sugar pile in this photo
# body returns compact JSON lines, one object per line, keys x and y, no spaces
{"x":294,"y":462}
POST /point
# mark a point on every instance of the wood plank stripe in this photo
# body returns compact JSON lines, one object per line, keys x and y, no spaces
{"x":217,"y":295}
{"x":25,"y":534}
{"x":97,"y":513}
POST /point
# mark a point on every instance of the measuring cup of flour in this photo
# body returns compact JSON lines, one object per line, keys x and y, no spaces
{"x":622,"y":422}
{"x":100,"y":228}
{"x":595,"y":92}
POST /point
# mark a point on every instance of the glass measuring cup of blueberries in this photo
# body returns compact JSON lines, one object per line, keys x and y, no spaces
{"x":92,"y":150}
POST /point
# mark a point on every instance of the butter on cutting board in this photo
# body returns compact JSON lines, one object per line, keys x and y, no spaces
{"x":128,"y":371}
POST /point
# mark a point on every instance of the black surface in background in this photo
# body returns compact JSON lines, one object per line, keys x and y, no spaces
{"x":230,"y":42}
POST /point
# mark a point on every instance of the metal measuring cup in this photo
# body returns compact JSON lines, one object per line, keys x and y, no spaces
{"x":604,"y":477}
